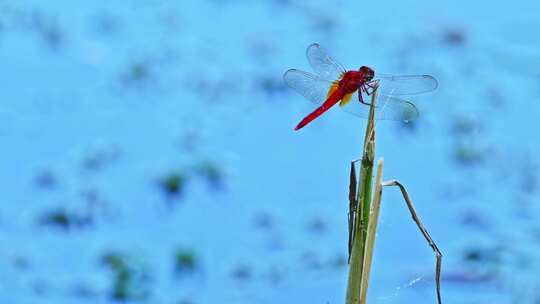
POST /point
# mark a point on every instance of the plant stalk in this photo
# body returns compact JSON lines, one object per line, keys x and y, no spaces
{"x":372,"y":232}
{"x":362,"y":210}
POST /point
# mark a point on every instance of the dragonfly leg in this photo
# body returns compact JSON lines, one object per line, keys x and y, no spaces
{"x":368,"y":91}
{"x":360,"y":97}
{"x":372,"y":84}
{"x":368,"y":86}
{"x":438,"y":254}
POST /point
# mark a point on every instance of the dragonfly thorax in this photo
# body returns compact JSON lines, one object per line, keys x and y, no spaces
{"x":351,"y":80}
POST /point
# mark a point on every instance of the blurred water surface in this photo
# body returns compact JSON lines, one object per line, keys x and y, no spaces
{"x":148,"y":152}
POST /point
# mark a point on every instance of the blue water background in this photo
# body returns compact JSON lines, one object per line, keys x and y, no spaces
{"x":102,"y":102}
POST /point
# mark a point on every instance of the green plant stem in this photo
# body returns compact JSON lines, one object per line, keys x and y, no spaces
{"x":362,"y":209}
{"x":371,"y":232}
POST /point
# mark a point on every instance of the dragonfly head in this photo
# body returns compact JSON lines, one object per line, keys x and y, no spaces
{"x":367,"y":72}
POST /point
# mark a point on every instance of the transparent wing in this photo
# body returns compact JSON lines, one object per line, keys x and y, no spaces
{"x":315,"y":89}
{"x":388,"y":108}
{"x":312,"y":87}
{"x":406,"y":84}
{"x":324,"y":65}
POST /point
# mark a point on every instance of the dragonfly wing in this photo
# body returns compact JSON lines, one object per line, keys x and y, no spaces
{"x":388,"y":108}
{"x":393,"y":108}
{"x":406,"y":84}
{"x":323,"y":64}
{"x":312,"y":87}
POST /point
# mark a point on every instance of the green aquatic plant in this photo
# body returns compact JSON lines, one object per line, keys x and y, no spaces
{"x":364,"y":206}
{"x":58,"y":218}
{"x":65,"y":219}
{"x":468,"y":153}
{"x":130,"y":277}
{"x":242,"y":272}
{"x":212,"y":173}
{"x":173,"y":184}
{"x":185,"y":261}
{"x":138,"y":73}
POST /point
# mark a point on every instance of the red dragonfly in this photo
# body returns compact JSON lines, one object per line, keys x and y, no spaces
{"x":333,"y":84}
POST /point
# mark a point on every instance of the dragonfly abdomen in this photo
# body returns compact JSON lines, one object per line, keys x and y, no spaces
{"x":334,"y":97}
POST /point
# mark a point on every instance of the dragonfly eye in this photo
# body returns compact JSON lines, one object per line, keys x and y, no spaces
{"x":368,"y":73}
